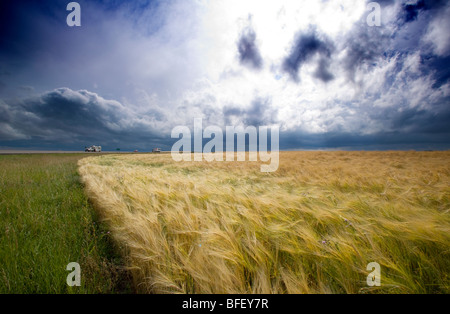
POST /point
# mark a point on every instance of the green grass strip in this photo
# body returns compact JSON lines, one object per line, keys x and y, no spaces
{"x":46,"y":222}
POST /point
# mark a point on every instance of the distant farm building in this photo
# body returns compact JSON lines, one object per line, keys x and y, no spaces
{"x":156,"y":150}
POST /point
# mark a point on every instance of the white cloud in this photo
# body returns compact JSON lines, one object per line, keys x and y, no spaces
{"x":438,"y":34}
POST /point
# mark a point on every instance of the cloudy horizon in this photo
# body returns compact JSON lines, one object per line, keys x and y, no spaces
{"x":134,"y":70}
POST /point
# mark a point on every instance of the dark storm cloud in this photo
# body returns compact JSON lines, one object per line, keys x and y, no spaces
{"x":411,"y":11}
{"x":411,"y":128}
{"x":67,"y":116}
{"x":434,"y":120}
{"x":260,"y":113}
{"x":322,"y":72}
{"x":249,"y":54}
{"x":363,"y":46}
{"x":305,"y":47}
{"x":350,"y":141}
{"x":440,"y":67}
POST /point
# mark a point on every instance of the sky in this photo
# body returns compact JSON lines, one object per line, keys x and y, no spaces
{"x":134,"y":70}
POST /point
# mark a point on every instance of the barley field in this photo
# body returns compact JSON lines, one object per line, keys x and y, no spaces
{"x":311,"y":227}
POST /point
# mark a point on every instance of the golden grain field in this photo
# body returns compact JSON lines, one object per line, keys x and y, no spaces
{"x":311,"y":227}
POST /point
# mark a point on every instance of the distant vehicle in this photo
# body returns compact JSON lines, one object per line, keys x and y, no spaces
{"x":93,"y":149}
{"x":136,"y":151}
{"x":156,"y":150}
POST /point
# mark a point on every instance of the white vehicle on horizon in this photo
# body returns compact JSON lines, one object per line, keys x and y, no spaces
{"x":93,"y":149}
